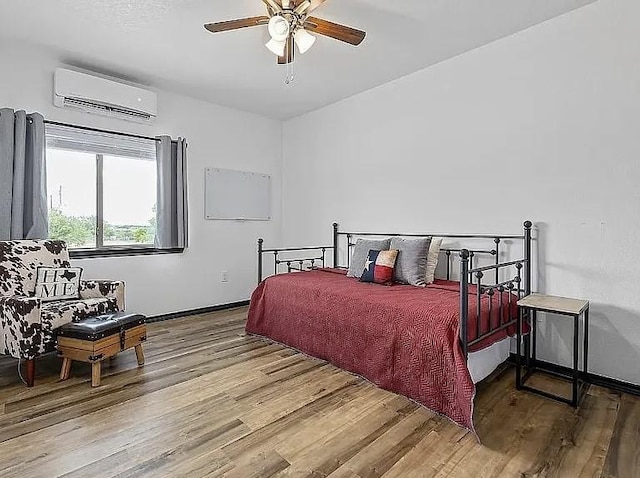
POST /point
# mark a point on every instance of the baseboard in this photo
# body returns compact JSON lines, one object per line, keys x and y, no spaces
{"x":202,"y":310}
{"x":595,"y":379}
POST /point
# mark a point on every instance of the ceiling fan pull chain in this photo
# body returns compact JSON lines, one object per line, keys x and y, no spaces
{"x":291,"y":69}
{"x":292,"y":73}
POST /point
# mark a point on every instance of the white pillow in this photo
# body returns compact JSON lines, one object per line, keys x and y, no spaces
{"x":58,"y":283}
{"x":432,"y":259}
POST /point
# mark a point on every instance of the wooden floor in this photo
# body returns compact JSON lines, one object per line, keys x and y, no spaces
{"x":212,"y":402}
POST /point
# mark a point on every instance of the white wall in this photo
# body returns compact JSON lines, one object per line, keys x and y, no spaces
{"x":218,"y":137}
{"x":543,"y":125}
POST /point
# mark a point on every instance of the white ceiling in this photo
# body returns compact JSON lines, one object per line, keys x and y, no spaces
{"x":162,"y":43}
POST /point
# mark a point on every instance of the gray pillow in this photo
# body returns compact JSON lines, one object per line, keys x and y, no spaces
{"x":361,"y":252}
{"x":411,"y":265}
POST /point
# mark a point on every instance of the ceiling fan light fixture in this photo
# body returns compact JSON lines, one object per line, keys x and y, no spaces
{"x":304,"y":40}
{"x":276,"y":47}
{"x":279,"y":28}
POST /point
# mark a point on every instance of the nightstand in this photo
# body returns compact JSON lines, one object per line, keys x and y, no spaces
{"x":574,"y":308}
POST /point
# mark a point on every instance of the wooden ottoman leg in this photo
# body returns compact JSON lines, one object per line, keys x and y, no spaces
{"x":65,"y":371}
{"x":95,"y":374}
{"x":31,"y":372}
{"x":140,"y":354}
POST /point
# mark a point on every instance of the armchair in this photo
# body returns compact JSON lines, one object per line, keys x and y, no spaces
{"x":27,"y":324}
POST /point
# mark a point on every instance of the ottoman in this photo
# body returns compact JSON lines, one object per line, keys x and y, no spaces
{"x":97,"y":338}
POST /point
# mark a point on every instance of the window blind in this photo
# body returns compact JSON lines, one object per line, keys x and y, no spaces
{"x":97,"y":142}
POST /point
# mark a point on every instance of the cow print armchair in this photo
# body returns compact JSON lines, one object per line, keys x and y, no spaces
{"x":27,"y":323}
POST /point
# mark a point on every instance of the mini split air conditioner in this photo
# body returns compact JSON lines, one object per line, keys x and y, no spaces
{"x":92,"y":94}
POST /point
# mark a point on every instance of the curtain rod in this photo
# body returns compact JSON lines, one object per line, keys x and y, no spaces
{"x":96,"y":130}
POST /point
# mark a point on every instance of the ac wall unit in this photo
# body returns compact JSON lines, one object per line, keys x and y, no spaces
{"x":92,"y":94}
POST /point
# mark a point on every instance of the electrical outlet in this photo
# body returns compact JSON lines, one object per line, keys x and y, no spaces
{"x":224,"y":276}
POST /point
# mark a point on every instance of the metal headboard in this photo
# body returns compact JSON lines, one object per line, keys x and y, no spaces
{"x":449,"y":252}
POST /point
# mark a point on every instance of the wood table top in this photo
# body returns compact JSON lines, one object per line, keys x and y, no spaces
{"x":563,"y":305}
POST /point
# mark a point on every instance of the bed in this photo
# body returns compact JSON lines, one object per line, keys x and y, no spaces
{"x":431,"y":344}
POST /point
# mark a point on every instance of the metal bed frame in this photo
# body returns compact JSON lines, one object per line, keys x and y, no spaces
{"x":518,"y":285}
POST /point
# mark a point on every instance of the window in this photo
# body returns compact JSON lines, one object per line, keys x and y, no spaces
{"x":102,"y":190}
{"x":71,"y":187}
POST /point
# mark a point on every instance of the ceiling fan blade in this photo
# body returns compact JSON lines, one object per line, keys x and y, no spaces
{"x":236,"y":24}
{"x":288,"y":53}
{"x":314,"y":4}
{"x":302,"y":7}
{"x":285,"y":3}
{"x":334,"y":30}
{"x":273,"y":5}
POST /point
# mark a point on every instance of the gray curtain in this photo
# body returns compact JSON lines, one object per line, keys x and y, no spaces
{"x":171,"y":208}
{"x":23,"y":177}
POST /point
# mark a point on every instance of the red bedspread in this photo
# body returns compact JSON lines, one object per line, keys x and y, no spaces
{"x":402,"y":338}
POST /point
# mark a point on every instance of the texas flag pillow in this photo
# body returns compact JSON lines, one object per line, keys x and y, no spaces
{"x":379,"y":266}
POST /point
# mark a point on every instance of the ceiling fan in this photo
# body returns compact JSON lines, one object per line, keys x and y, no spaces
{"x":289,"y":23}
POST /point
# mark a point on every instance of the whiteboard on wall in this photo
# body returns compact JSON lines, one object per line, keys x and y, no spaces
{"x":237,"y":195}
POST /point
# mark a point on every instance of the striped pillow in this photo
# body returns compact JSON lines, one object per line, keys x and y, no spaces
{"x":432,"y":259}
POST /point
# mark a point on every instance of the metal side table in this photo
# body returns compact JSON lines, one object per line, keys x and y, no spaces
{"x":575,"y":308}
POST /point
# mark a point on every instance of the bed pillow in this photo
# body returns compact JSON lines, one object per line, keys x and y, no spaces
{"x":379,"y":266}
{"x":432,"y":259}
{"x":53,"y":283}
{"x":411,"y":265}
{"x":361,"y":251}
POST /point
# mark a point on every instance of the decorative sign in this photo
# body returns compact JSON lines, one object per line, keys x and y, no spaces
{"x":58,"y":283}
